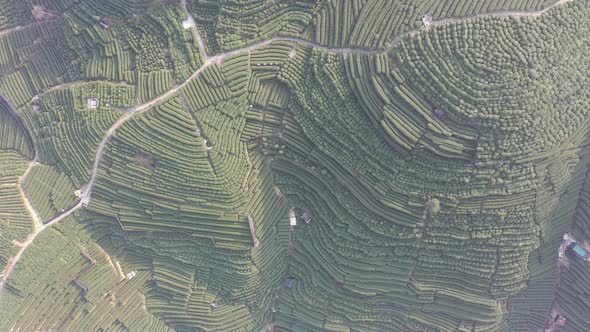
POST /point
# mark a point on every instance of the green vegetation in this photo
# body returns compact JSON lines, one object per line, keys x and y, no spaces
{"x":15,"y":221}
{"x":155,"y":162}
{"x":67,"y":132}
{"x":431,"y":171}
{"x":345,"y":23}
{"x":67,"y":282}
{"x":571,"y":290}
{"x":13,"y":13}
{"x":34,"y":59}
{"x":13,"y":136}
{"x":15,"y":149}
{"x":71,"y":45}
{"x":50,"y":191}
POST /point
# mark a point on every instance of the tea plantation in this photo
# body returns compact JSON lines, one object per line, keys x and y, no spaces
{"x":325,"y":165}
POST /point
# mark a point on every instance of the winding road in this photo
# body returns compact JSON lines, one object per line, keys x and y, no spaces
{"x":208,"y":61}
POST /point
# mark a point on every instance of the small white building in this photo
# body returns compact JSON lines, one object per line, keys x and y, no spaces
{"x":93,"y":103}
{"x":292,"y":218}
{"x":208,"y":145}
{"x":427,"y":20}
{"x":131,"y":275}
{"x":189,"y":23}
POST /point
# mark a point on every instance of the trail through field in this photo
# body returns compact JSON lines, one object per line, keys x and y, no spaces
{"x":21,"y":180}
{"x":37,"y":224}
{"x":26,"y":198}
{"x":20,"y":27}
{"x":208,"y":61}
{"x":76,"y":83}
{"x":16,"y":28}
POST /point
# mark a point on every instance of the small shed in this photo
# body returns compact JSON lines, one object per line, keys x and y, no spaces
{"x":93,"y":103}
{"x":103,"y":24}
{"x":559,"y":320}
{"x":439,"y":112}
{"x":307,"y":217}
{"x":580,"y":251}
{"x":188,"y":23}
{"x":131,"y":275}
{"x":427,"y":20}
{"x":292,"y":218}
{"x":289,"y":282}
{"x":208,"y":144}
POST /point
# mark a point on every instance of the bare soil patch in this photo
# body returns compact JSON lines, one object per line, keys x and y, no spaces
{"x":41,"y":15}
{"x":145,"y":160}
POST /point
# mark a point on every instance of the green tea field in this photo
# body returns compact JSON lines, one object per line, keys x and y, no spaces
{"x":321,"y":165}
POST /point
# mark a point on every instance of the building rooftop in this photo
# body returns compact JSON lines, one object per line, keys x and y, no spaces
{"x":427,"y":20}
{"x":189,"y":23}
{"x":440,"y":113}
{"x":289,"y":282}
{"x":292,"y":218}
{"x":560,"y":320}
{"x":208,"y":144}
{"x":93,"y":103}
{"x":580,"y":251}
{"x":307,"y":217}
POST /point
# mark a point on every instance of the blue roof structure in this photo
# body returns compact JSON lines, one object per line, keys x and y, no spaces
{"x":580,"y":251}
{"x":289,"y":282}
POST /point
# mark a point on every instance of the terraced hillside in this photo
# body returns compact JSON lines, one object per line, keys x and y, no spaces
{"x":293,"y":166}
{"x":340,"y":23}
{"x":15,"y":149}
